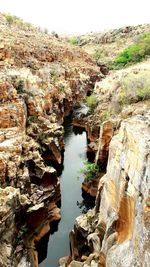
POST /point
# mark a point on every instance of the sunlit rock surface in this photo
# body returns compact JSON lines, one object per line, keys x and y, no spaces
{"x":117,"y":231}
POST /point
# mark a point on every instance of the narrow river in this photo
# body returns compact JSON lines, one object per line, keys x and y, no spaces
{"x":71,"y":194}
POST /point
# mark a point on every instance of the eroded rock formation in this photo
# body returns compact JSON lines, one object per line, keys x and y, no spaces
{"x":117,"y":231}
{"x":41,"y":79}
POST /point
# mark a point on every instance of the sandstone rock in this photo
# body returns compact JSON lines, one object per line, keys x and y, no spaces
{"x":75,"y":264}
{"x":120,"y":222}
{"x":63,"y":261}
{"x":94,"y":239}
{"x":94,"y":264}
{"x":9,"y":203}
{"x":84,"y":222}
{"x":90,"y":187}
{"x":36,"y":207}
{"x":106,"y":133}
{"x":24,"y":263}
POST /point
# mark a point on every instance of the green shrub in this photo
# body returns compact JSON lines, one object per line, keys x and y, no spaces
{"x":73,"y":40}
{"x":91,"y":102}
{"x":18,"y":22}
{"x":89,"y":170}
{"x":10,"y":19}
{"x":144,"y":93}
{"x":134,"y":53}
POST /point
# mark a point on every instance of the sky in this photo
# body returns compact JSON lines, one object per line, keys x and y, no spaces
{"x":79,"y":16}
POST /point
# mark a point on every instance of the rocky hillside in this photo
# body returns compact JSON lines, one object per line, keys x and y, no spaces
{"x":41,"y":79}
{"x":105,"y":46}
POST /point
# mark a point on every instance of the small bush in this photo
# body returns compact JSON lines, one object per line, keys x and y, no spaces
{"x":54,"y":34}
{"x":10,"y":19}
{"x":54,"y":75}
{"x":89,"y":170}
{"x":105,"y":116}
{"x":144,"y":93}
{"x":100,"y":54}
{"x":135,"y":87}
{"x":91,"y":102}
{"x":61,"y":87}
{"x":74,"y":40}
{"x":13,"y":20}
{"x":31,"y":119}
{"x":134,"y":53}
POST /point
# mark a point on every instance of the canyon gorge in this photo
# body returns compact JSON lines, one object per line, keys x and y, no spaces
{"x":48,"y":130}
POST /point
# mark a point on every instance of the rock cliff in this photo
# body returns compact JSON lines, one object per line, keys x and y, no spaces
{"x":117,"y":231}
{"x":41,"y":79}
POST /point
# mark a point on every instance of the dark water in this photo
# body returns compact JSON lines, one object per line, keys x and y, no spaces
{"x":71,"y":194}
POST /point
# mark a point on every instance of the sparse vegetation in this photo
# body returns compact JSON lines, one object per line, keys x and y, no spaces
{"x":13,"y":20}
{"x":10,"y":19}
{"x":73,"y":40}
{"x":41,"y":136}
{"x":134,"y":53}
{"x":91,"y":102}
{"x":100,"y":53}
{"x":31,"y":119}
{"x":61,"y":87}
{"x":54,"y":76}
{"x":105,"y":116}
{"x":134,"y":87}
{"x":89,"y":170}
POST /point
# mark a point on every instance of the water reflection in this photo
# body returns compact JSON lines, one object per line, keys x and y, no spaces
{"x":71,"y":195}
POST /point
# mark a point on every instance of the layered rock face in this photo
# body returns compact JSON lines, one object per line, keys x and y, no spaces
{"x":41,"y":79}
{"x":9,"y":202}
{"x":117,"y":231}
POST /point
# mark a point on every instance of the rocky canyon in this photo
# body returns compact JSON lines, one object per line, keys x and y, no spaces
{"x":44,"y":78}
